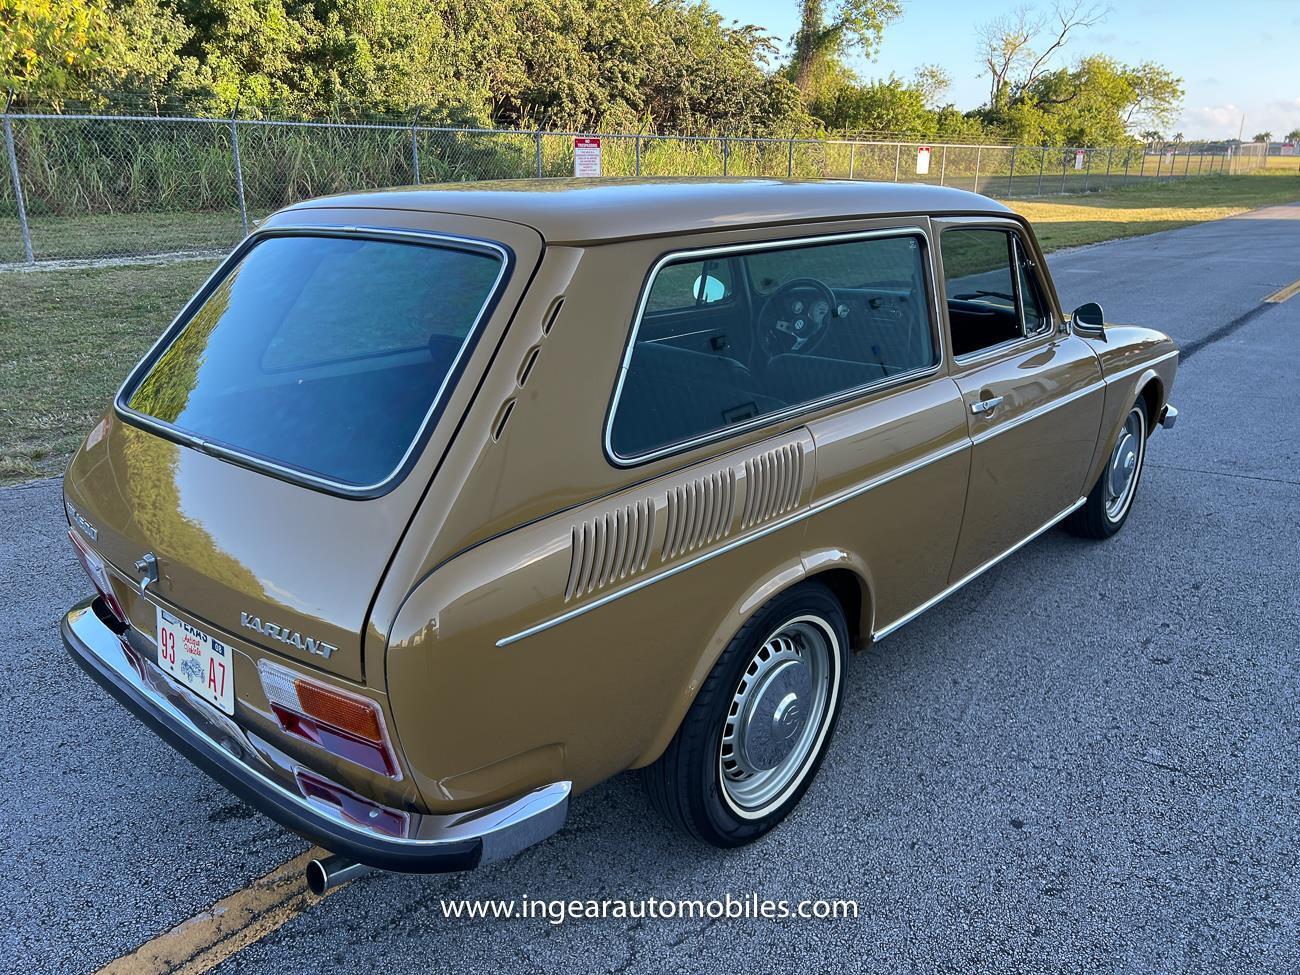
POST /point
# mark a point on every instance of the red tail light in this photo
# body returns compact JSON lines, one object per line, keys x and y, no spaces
{"x":94,"y":566}
{"x":343,"y":724}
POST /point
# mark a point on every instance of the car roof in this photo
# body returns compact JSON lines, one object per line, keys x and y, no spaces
{"x":582,"y":211}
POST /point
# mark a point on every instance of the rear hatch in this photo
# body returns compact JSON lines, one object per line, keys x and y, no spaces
{"x":269,"y":451}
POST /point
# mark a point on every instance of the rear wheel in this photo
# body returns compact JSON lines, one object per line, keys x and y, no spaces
{"x":1111,"y":498}
{"x":755,"y":736}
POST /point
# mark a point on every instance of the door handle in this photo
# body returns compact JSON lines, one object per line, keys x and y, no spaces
{"x":986,"y":406}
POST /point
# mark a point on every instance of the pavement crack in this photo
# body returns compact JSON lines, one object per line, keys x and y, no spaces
{"x":1244,"y":477}
{"x":1222,"y":332}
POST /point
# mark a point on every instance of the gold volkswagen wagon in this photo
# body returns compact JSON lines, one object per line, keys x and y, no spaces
{"x":435,"y":506}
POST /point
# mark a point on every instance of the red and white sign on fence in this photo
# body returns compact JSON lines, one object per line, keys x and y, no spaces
{"x":922,"y":160}
{"x":586,"y":156}
{"x":1079,"y":156}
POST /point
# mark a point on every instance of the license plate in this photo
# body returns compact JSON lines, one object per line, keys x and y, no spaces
{"x":198,"y":662}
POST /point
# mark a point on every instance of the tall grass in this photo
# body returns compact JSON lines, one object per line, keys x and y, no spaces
{"x":78,"y":167}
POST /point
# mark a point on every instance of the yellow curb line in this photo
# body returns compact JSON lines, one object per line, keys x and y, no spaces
{"x":1277,"y":297}
{"x":228,"y":926}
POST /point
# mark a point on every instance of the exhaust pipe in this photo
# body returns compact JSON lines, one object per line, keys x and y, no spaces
{"x":332,"y":871}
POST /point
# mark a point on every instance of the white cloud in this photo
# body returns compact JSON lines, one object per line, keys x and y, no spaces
{"x":1223,"y":121}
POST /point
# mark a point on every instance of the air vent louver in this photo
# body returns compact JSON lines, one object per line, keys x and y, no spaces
{"x":610,"y":547}
{"x":773,"y":482}
{"x":699,"y":512}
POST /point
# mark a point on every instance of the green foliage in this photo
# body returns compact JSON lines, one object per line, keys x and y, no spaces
{"x":46,"y":45}
{"x":1094,"y":103}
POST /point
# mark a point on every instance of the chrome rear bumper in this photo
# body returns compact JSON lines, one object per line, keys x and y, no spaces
{"x":435,"y":843}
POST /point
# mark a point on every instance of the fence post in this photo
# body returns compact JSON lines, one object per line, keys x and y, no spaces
{"x":1110,"y":157}
{"x":726,"y":154}
{"x":898,"y":157}
{"x":1011,"y":177}
{"x":853,"y":153}
{"x":637,"y":153}
{"x":1160,"y":161}
{"x":239,"y":171}
{"x":537,"y":151}
{"x":943,"y":165}
{"x":789,"y":159}
{"x":978,"y":151}
{"x":1187,"y":164}
{"x":1087,"y":170}
{"x":1064,"y":171}
{"x":1200,"y":161}
{"x":1042,"y":165}
{"x":1128,"y":159}
{"x":19,"y":203}
{"x":415,"y":154}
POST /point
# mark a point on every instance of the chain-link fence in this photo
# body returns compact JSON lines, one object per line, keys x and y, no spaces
{"x":84,"y":187}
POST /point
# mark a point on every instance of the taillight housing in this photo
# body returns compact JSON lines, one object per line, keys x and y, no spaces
{"x":94,"y":566}
{"x":346,"y":725}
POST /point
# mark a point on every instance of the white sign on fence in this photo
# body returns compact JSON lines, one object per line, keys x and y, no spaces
{"x":586,"y":157}
{"x":1079,"y":156}
{"x":922,"y":160}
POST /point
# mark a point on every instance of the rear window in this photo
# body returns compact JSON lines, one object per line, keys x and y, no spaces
{"x":322,"y":354}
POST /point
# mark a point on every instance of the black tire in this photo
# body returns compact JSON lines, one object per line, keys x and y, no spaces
{"x":687,"y":783}
{"x":1099,"y":517}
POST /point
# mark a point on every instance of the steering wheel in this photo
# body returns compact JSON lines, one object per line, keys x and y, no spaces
{"x":795,"y":317}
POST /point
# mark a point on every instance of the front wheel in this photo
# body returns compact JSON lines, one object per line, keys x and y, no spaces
{"x":1111,"y":498}
{"x":756,"y":734}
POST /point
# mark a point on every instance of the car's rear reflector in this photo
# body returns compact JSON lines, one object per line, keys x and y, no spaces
{"x":94,"y":566}
{"x":359,"y":810}
{"x":343,"y":724}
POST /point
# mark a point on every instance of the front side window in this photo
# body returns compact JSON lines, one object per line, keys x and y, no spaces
{"x":790,"y":326}
{"x":322,"y":354}
{"x":989,"y":287}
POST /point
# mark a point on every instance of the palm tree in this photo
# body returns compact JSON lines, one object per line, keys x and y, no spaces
{"x":1265,"y":137}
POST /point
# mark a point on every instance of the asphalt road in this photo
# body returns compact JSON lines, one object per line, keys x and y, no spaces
{"x":1083,"y":762}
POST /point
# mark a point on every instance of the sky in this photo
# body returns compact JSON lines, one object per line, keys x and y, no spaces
{"x":1236,"y":57}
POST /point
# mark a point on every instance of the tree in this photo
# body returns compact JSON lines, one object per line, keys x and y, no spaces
{"x":1262,"y":137}
{"x":46,"y":46}
{"x":933,"y":82}
{"x":1157,"y":95}
{"x":1089,"y":104}
{"x":1007,"y":45}
{"x":855,"y":25}
{"x":1293,"y":135}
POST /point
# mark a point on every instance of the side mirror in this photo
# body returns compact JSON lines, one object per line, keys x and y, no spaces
{"x":1088,"y":320}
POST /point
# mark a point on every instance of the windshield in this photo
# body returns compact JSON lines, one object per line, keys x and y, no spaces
{"x":326,"y":355}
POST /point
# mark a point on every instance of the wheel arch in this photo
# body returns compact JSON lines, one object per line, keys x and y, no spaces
{"x":1152,"y":390}
{"x":842,"y":572}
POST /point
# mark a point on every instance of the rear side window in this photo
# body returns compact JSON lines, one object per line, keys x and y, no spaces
{"x":796,"y":324}
{"x":324,"y":355}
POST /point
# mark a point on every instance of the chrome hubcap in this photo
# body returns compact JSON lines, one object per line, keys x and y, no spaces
{"x":1121,"y":473}
{"x":774,"y":723}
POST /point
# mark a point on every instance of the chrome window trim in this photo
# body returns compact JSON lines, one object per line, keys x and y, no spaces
{"x":846,"y":495}
{"x":1013,"y":229}
{"x":793,"y":518}
{"x":936,"y":335}
{"x":247,"y":459}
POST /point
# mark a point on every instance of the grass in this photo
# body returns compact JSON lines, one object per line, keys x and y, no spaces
{"x":67,"y":340}
{"x":68,"y":337}
{"x":1153,"y":207}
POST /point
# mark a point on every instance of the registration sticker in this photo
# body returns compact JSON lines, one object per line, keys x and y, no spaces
{"x":197,"y":661}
